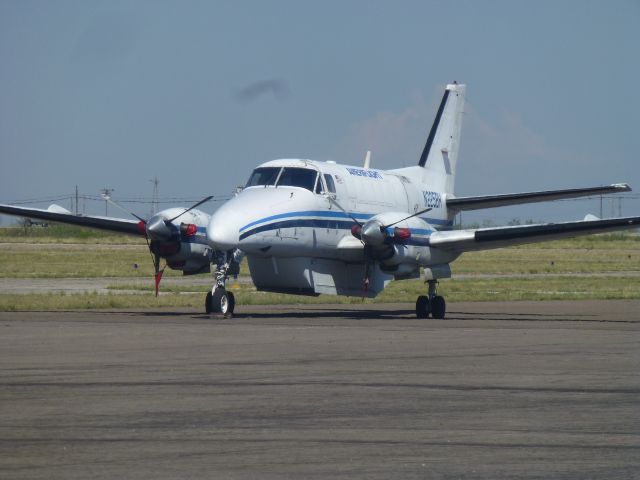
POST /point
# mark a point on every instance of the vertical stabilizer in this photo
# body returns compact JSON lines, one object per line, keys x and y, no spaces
{"x":440,"y":154}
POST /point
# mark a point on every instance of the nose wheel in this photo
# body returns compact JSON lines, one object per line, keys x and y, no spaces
{"x":431,"y":304}
{"x":220,"y":301}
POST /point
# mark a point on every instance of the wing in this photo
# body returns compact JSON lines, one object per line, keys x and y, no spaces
{"x":488,"y":238}
{"x":491,"y":201}
{"x":58,"y":214}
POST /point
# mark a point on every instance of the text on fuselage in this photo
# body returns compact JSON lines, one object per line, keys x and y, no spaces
{"x":432,"y":199}
{"x":359,"y":172}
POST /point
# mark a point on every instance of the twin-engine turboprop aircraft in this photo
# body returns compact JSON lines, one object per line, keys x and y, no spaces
{"x":309,"y":227}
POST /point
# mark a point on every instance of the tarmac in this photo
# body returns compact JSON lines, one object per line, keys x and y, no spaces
{"x":518,"y":390}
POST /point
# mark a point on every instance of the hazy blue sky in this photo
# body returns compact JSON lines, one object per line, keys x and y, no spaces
{"x":112,"y":93}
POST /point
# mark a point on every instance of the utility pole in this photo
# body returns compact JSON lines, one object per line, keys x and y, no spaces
{"x":77,"y":207}
{"x":154,"y":198}
{"x":106,"y":194}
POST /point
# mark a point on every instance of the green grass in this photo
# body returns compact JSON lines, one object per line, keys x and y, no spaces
{"x":59,"y":233}
{"x":570,"y":260}
{"x":474,"y":290}
{"x":67,"y":259}
{"x":92,"y":301}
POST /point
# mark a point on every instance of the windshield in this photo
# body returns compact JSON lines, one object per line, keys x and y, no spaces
{"x":298,"y":177}
{"x":263,"y":176}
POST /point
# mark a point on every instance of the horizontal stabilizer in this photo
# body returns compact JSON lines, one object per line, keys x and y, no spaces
{"x":119,"y":225}
{"x":493,"y":201}
{"x":57,"y":209}
{"x":488,"y":238}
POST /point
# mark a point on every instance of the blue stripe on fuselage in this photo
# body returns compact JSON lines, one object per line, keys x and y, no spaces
{"x":308,"y":213}
{"x":333,"y":224}
{"x":333,"y":214}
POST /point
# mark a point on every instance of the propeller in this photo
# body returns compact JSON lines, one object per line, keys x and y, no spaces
{"x":373,"y":234}
{"x":159,"y":228}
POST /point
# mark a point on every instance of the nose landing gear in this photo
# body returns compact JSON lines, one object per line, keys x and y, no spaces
{"x":432,"y":304}
{"x":219,"y":300}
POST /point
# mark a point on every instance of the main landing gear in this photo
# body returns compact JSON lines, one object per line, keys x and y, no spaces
{"x":219,"y":300}
{"x":432,"y":304}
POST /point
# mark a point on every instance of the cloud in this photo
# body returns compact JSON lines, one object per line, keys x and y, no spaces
{"x":498,"y":154}
{"x":276,"y":87}
{"x":395,"y":138}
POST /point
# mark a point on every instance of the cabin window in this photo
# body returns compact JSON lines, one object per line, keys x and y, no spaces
{"x":298,"y":177}
{"x":329,"y":181}
{"x":263,"y":176}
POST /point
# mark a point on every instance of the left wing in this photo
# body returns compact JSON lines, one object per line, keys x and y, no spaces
{"x":488,"y":238}
{"x":58,"y":214}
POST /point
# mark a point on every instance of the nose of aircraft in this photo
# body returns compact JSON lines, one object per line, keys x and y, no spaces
{"x":223,"y":229}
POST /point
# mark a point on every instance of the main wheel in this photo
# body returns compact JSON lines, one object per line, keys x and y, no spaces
{"x":438,"y":307}
{"x":422,"y":307}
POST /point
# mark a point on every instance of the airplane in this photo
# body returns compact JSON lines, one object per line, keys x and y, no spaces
{"x":177,"y":235}
{"x":312,"y":227}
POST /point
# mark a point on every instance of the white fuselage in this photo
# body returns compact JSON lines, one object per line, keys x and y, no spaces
{"x":293,"y":234}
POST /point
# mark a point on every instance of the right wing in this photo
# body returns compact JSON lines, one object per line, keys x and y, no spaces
{"x":488,"y":238}
{"x":492,"y":201}
{"x":58,"y":214}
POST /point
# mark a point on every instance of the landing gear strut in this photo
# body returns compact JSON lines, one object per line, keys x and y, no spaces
{"x":219,"y":300}
{"x":432,"y":304}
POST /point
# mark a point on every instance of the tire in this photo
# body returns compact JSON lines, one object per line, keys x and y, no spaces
{"x":207,"y":303}
{"x":422,"y":307}
{"x":232,"y":302}
{"x":220,"y":301}
{"x":438,"y":307}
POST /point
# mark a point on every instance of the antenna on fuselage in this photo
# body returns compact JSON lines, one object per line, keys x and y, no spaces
{"x":367,"y":159}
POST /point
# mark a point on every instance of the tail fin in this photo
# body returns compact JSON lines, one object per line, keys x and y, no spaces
{"x":440,"y":154}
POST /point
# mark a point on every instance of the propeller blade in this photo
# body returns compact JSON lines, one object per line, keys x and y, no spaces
{"x":117,"y":205}
{"x":333,"y":200}
{"x":204,"y":200}
{"x":384,"y":227}
{"x":157,"y":272}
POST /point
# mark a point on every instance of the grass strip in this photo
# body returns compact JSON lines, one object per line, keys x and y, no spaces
{"x":500,"y":289}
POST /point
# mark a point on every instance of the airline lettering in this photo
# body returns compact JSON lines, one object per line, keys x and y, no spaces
{"x":432,"y":199}
{"x":358,"y":172}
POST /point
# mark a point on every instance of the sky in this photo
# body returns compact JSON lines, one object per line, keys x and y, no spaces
{"x":114,"y":93}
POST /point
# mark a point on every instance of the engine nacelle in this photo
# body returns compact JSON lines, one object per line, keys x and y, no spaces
{"x":402,"y":247}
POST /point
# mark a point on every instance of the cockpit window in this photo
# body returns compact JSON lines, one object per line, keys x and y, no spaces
{"x":330,"y":185}
{"x":298,"y":177}
{"x":263,"y":176}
